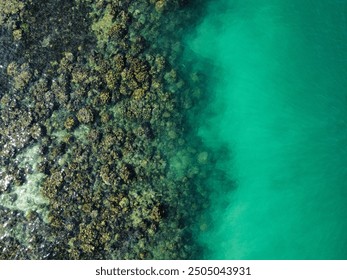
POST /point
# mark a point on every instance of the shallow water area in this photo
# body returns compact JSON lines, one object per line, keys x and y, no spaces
{"x":279,"y":81}
{"x":94,"y":161}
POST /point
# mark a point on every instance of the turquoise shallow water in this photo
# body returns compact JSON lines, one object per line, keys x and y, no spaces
{"x":280,"y":107}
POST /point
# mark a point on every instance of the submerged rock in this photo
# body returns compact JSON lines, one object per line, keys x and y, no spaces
{"x":90,"y":124}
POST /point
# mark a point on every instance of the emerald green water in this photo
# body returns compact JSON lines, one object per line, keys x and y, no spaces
{"x":279,"y":82}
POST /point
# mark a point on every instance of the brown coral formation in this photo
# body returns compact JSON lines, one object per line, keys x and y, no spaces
{"x":107,"y":117}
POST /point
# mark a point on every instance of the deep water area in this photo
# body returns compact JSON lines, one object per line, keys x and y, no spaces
{"x":276,"y":122}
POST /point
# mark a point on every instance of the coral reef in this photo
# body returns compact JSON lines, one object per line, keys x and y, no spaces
{"x":104,"y":101}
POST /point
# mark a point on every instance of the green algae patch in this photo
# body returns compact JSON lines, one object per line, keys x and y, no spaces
{"x":102,"y":27}
{"x":8,"y":8}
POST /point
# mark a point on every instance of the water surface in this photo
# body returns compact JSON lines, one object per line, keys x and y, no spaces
{"x":280,"y":107}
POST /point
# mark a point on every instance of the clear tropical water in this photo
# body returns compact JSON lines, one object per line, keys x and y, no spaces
{"x":279,"y":81}
{"x":117,"y":142}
